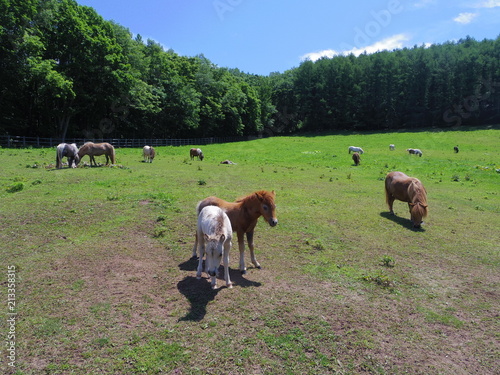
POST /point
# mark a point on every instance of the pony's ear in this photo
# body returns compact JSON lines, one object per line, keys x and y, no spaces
{"x":222,"y":238}
{"x":273,"y":193}
{"x":259,"y":196}
{"x":412,"y":204}
{"x":424,"y":205}
{"x":207,"y":237}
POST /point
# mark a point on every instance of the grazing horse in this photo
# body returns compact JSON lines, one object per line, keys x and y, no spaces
{"x":70,"y":151}
{"x":243,"y":215}
{"x":356,"y":158}
{"x":214,"y":235}
{"x":149,"y":154}
{"x":97,"y":149}
{"x":392,"y":147}
{"x":456,"y":149}
{"x":414,"y":151}
{"x":355,"y":149}
{"x":196,"y":152}
{"x":407,"y":189}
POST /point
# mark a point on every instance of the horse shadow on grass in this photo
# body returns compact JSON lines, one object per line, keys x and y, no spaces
{"x":405,"y":223}
{"x":199,"y":293}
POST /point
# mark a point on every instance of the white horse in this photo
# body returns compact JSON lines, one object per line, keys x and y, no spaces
{"x":355,"y":149}
{"x":392,"y":147}
{"x":214,"y":239}
{"x":70,"y":151}
{"x":149,"y":154}
{"x":414,"y":151}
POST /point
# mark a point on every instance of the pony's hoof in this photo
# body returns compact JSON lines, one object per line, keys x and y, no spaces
{"x":230,"y":285}
{"x":243,"y":272}
{"x":194,"y":257}
{"x":214,"y":287}
{"x":259,"y":267}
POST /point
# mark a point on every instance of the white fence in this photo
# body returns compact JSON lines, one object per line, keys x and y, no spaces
{"x":10,"y":141}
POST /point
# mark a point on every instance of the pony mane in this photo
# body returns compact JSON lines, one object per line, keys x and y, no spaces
{"x":420,"y":209}
{"x":219,"y":222}
{"x":418,"y":196}
{"x":261,"y":194}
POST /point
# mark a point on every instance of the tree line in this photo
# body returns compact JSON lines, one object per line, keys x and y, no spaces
{"x":67,"y":72}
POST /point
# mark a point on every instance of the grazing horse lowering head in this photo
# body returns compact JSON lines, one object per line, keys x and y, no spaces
{"x":196,"y":152}
{"x":149,"y":154}
{"x":356,"y":158}
{"x":70,"y":151}
{"x":97,"y":149}
{"x":407,"y":189}
{"x":214,"y":232}
{"x":355,"y":149}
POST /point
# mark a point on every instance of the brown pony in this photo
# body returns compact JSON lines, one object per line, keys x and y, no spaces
{"x":243,"y":215}
{"x":97,"y":149}
{"x":196,"y":152}
{"x":407,"y":189}
{"x":356,"y":158}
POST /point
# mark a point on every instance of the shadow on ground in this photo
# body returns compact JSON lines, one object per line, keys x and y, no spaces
{"x":404,"y":222}
{"x":199,"y":292}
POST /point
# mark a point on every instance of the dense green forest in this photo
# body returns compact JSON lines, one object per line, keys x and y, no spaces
{"x":67,"y":72}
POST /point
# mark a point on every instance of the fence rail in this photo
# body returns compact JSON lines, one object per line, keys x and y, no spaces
{"x":11,"y":141}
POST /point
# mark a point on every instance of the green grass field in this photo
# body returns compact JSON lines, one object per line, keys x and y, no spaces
{"x":104,"y":282}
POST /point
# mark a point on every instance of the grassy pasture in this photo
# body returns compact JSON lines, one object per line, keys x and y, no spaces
{"x":104,"y":283}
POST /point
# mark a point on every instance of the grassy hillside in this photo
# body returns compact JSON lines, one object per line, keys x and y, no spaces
{"x":105,"y":284}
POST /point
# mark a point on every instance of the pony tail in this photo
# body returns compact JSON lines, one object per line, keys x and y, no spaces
{"x":386,"y":192}
{"x":113,"y":158}
{"x":58,"y":157}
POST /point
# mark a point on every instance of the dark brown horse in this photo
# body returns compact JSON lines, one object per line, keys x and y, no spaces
{"x":97,"y":149}
{"x":243,"y":215}
{"x":356,"y":158}
{"x":407,"y":189}
{"x":196,"y":152}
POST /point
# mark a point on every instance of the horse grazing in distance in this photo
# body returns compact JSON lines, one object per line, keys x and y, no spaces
{"x":392,"y":147}
{"x":356,"y":158}
{"x":407,"y":189}
{"x":97,"y":149}
{"x":355,"y":149}
{"x":243,"y":215}
{"x":196,"y":152}
{"x":456,"y":149}
{"x":149,"y":154}
{"x":414,"y":151}
{"x":214,"y":235}
{"x":70,"y":151}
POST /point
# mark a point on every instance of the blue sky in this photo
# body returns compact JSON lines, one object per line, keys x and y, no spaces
{"x":265,"y":36}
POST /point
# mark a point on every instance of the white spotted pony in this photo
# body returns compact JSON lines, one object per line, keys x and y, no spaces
{"x":214,"y":235}
{"x":70,"y":151}
{"x":355,"y":149}
{"x":149,"y":154}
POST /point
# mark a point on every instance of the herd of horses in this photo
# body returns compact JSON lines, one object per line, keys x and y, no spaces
{"x":218,"y":219}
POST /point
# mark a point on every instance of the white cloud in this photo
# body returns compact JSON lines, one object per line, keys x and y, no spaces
{"x":488,"y":4}
{"x":465,"y":18}
{"x":313,"y":56}
{"x":391,"y":43}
